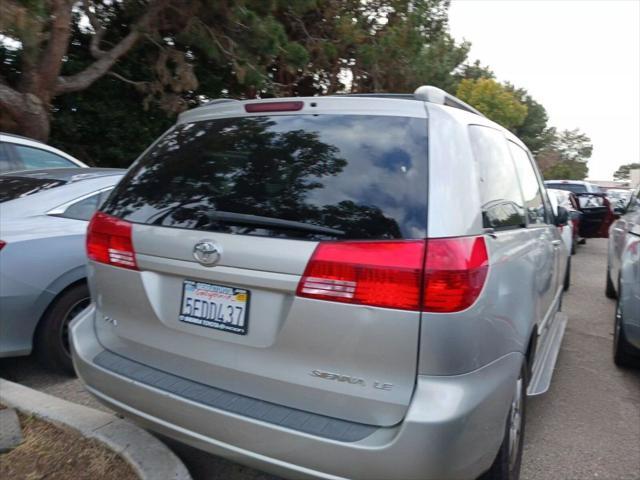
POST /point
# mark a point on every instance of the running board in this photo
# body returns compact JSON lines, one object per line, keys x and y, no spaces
{"x":546,"y":358}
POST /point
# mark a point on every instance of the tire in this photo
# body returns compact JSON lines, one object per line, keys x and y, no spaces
{"x":507,"y":464}
{"x":610,"y":291}
{"x":567,"y":276}
{"x":624,"y":354}
{"x":51,"y":339}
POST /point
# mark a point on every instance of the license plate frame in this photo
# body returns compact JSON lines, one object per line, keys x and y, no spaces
{"x":212,"y":306}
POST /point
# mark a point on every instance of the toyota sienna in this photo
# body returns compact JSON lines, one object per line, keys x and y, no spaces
{"x":345,"y":286}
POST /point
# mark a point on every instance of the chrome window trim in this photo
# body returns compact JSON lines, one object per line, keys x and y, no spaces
{"x":61,"y":209}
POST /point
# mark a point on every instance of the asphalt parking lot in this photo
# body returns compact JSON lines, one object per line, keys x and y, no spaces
{"x":586,"y":427}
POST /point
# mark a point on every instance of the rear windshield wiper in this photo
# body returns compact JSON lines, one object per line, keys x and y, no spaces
{"x":259,"y":221}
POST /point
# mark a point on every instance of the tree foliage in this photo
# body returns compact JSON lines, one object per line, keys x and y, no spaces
{"x":103,"y":79}
{"x":494,"y":100}
{"x":624,"y":172}
{"x":566,"y":156}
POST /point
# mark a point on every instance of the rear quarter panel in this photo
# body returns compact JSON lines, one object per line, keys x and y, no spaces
{"x":36,"y":267}
{"x":500,"y":321}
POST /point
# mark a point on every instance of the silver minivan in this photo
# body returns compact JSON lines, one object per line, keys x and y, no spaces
{"x":329,"y":287}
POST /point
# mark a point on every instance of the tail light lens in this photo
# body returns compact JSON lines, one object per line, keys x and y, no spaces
{"x":454,"y":273}
{"x":397,"y":274}
{"x":274,"y":107}
{"x":381,"y":274}
{"x":2,"y":244}
{"x":109,"y":241}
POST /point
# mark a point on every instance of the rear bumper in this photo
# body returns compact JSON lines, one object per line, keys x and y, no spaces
{"x":453,"y":427}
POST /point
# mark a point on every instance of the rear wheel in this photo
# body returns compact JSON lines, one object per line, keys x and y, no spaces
{"x":52,"y":336}
{"x":507,"y":464}
{"x":624,"y":354}
{"x":610,"y":290}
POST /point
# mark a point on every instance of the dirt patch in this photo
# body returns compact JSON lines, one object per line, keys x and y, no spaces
{"x":55,"y":453}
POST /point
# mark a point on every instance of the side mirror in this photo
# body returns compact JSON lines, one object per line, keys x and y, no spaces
{"x":562,"y":218}
{"x":619,"y":210}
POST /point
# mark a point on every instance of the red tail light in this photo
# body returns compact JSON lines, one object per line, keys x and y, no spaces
{"x":381,"y":274}
{"x":454,"y":273}
{"x":2,"y":244}
{"x":109,"y":241}
{"x":396,"y":274}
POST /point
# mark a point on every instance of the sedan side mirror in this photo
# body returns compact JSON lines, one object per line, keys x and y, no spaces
{"x":562,"y":218}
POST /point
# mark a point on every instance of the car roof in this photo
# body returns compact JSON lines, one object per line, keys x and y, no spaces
{"x":68,"y":175}
{"x":575,"y":182}
{"x":14,"y":139}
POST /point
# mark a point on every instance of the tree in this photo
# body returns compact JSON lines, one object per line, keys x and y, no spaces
{"x":533,"y":131}
{"x":244,"y":36}
{"x":624,"y":172}
{"x":474,"y":71}
{"x":566,"y":156}
{"x":493,"y":100}
{"x":574,"y":145}
{"x":44,"y":30}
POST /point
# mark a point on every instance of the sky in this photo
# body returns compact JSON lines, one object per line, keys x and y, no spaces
{"x":579,"y":58}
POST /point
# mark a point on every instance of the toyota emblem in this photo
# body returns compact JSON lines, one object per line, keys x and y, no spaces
{"x":207,"y":252}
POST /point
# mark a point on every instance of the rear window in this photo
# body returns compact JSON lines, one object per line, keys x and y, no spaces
{"x":17,"y":187}
{"x":291,"y":176}
{"x":569,"y":187}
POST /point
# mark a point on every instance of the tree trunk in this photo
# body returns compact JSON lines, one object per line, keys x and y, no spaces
{"x":34,"y":120}
{"x":25,"y":112}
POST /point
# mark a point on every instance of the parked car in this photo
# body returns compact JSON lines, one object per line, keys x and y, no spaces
{"x":43,"y":220}
{"x":575,"y":186}
{"x":623,"y":282}
{"x":597,"y":211}
{"x":570,"y":236}
{"x":342,"y":286}
{"x":570,"y":202}
{"x":566,"y":233}
{"x":21,"y":153}
{"x":619,"y":197}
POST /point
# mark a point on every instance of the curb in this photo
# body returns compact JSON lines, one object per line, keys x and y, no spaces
{"x":149,"y":457}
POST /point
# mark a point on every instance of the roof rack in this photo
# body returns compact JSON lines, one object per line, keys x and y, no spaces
{"x":425,"y":93}
{"x":430,"y":94}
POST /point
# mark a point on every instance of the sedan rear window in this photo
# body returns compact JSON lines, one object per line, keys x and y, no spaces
{"x":17,"y":187}
{"x":291,"y":176}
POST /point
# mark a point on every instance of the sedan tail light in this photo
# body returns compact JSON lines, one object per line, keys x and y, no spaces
{"x":109,"y":241}
{"x":440,"y":275}
{"x":2,"y":244}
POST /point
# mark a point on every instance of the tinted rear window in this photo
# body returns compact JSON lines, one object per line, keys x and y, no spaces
{"x":343,"y":176}
{"x":17,"y":187}
{"x":569,"y":187}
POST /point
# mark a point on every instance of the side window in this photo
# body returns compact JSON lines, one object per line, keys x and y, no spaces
{"x":35,"y":158}
{"x":85,"y":208}
{"x":502,"y":205}
{"x":531,"y":190}
{"x":6,"y":165}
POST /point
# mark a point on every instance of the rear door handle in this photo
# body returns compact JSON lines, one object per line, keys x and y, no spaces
{"x":555,"y":243}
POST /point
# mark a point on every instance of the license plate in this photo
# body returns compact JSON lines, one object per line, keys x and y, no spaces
{"x":215,"y":306}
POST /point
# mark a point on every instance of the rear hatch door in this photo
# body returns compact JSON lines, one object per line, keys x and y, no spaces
{"x":226,"y":214}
